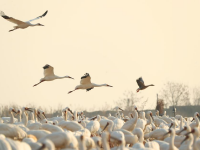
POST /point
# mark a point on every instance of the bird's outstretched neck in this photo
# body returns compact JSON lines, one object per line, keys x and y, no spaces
{"x":57,"y":77}
{"x":150,"y":85}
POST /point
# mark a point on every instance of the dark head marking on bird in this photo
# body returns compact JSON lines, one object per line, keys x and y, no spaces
{"x":85,"y":75}
{"x":46,"y":66}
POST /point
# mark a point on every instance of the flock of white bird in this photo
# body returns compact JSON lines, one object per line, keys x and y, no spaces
{"x":74,"y":131}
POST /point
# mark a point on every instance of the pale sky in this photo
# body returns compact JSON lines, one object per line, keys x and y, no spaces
{"x":114,"y":41}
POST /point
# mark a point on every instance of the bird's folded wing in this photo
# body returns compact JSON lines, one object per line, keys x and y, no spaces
{"x":38,"y":17}
{"x":85,"y":79}
{"x":141,"y":80}
{"x":140,"y":83}
{"x":13,"y":20}
{"x":48,"y":70}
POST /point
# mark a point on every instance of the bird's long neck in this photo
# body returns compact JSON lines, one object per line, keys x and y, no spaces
{"x":35,"y":116}
{"x":197,"y":121}
{"x":110,"y":126}
{"x":75,"y":115}
{"x":65,"y":116}
{"x":98,"y":85}
{"x":194,"y":142}
{"x":19,"y":118}
{"x":105,"y":141}
{"x":11,"y":117}
{"x":181,"y":123}
{"x":33,"y":24}
{"x":57,"y":77}
{"x":122,"y":145}
{"x":171,"y":144}
{"x":153,"y":125}
{"x":149,"y":85}
{"x":25,"y":118}
{"x":32,"y":116}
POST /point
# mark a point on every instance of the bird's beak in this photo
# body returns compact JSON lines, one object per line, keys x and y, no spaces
{"x":93,"y":118}
{"x":132,"y":115}
{"x":109,"y":86}
{"x":181,"y":131}
{"x":171,"y":125}
{"x":44,"y":115}
{"x":41,"y":25}
{"x":185,"y":138}
{"x":70,"y":77}
{"x":14,"y":111}
{"x":71,"y":111}
{"x":38,"y":116}
{"x":29,"y":109}
{"x":167,"y":133}
{"x":151,"y":116}
{"x":121,"y":109}
{"x":192,"y":119}
{"x":105,"y":126}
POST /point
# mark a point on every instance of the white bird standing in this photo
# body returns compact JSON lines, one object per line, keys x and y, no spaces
{"x":86,"y":84}
{"x":21,"y":24}
{"x":49,"y":75}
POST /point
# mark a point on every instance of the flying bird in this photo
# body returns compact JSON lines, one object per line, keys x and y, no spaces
{"x":49,"y":75}
{"x":21,"y":24}
{"x":141,"y":84}
{"x":86,"y":84}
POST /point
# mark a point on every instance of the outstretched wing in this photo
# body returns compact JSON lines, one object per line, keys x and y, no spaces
{"x":140,"y":82}
{"x":13,"y":20}
{"x":48,"y":70}
{"x":85,"y":79}
{"x":38,"y":17}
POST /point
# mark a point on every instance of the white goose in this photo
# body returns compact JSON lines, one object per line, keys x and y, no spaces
{"x":165,"y":145}
{"x":86,"y":84}
{"x":49,"y":75}
{"x":21,"y":24}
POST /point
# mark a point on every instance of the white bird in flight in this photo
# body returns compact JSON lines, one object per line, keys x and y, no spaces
{"x":49,"y":75}
{"x":86,"y":84}
{"x":21,"y":24}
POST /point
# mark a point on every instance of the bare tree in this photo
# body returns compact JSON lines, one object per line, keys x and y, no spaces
{"x":196,"y":96}
{"x":129,"y":100}
{"x":160,"y":106}
{"x":175,"y":94}
{"x":143,"y":104}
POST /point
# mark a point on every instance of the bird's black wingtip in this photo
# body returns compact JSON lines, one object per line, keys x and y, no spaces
{"x":6,"y":17}
{"x":45,"y":13}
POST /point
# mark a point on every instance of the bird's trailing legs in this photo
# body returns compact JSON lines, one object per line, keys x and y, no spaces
{"x":38,"y":83}
{"x":12,"y":30}
{"x":71,"y":91}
